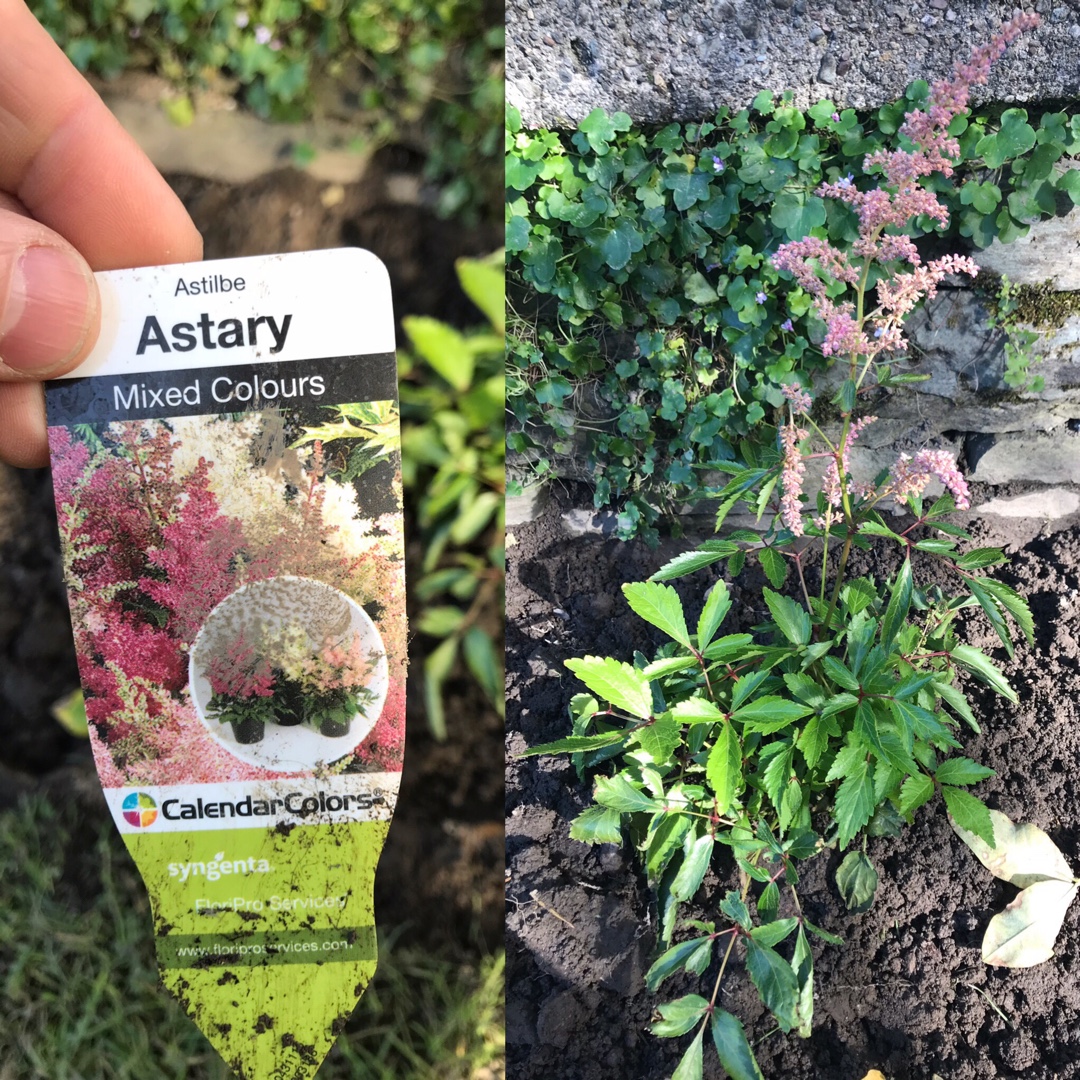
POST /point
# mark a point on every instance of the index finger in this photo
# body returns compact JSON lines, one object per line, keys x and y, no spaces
{"x":71,"y":164}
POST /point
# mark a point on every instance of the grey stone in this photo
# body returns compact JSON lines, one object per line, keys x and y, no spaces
{"x":527,"y":506}
{"x":590,"y":522}
{"x":1041,"y":65}
{"x":1048,"y":252}
{"x":827,"y":70}
{"x":816,"y":34}
{"x":1051,"y":503}
{"x":1052,"y":458}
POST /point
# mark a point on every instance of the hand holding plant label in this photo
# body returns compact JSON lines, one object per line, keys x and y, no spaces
{"x":840,"y":716}
{"x":233,"y":545}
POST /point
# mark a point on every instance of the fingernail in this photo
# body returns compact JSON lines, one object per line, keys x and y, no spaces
{"x":50,"y":308}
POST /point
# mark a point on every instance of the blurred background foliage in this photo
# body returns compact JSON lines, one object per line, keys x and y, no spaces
{"x":424,"y":72}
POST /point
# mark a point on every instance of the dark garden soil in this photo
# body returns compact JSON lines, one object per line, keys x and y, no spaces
{"x":907,"y":993}
{"x":442,"y":865}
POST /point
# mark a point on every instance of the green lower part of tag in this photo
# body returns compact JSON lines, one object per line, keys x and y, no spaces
{"x":265,"y":936}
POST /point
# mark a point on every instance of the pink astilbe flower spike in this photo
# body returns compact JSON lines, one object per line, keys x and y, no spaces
{"x":886,"y":210}
{"x":831,"y":484}
{"x":910,"y":475}
{"x":800,"y":400}
{"x":791,"y":478}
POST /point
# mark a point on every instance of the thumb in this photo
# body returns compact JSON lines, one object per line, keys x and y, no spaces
{"x":50,"y":311}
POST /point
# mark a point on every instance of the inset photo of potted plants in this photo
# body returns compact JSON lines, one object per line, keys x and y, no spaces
{"x":237,"y":591}
{"x":288,"y":672}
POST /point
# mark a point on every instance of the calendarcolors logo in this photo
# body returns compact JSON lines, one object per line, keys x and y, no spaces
{"x":139,"y":809}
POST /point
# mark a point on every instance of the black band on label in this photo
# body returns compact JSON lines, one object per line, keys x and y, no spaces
{"x":305,"y":385}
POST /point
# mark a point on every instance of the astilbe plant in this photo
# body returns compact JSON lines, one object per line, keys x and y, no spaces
{"x":840,"y":716}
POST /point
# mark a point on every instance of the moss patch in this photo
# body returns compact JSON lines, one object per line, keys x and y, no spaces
{"x":1042,"y":306}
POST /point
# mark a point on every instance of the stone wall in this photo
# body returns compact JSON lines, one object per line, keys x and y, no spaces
{"x":662,"y":60}
{"x":1004,"y":439}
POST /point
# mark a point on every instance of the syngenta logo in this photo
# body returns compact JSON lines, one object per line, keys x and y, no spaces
{"x":218,"y":867}
{"x":139,"y":809}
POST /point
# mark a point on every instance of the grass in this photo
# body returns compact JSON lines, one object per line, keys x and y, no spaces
{"x":80,"y":998}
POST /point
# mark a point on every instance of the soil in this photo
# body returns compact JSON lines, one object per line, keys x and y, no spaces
{"x":908,"y":992}
{"x":442,"y":864}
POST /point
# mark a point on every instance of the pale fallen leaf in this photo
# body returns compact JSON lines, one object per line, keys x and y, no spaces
{"x":1024,"y":934}
{"x":873,"y":1074}
{"x":1023,"y":854}
{"x":511,"y":539}
{"x":332,"y":195}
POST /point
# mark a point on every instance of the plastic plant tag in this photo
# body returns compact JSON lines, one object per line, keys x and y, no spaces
{"x":227,"y":475}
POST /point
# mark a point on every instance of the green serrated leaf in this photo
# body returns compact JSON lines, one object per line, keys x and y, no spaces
{"x":961,"y":771}
{"x":690,"y":1065}
{"x":745,"y":686}
{"x":1014,"y":604}
{"x":857,"y":880}
{"x":775,"y":982}
{"x":983,"y":669}
{"x":671,"y":961}
{"x":915,"y":791}
{"x":832,"y":939}
{"x":717,"y":605}
{"x":802,"y":963}
{"x":839,"y":674}
{"x":899,"y":605}
{"x":734,"y":907}
{"x":679,"y":1016}
{"x":576,"y":744}
{"x":597,"y":825}
{"x":724,"y":768}
{"x":667,"y":831}
{"x":689,"y":561}
{"x":618,"y":793}
{"x":854,"y":803}
{"x":768,"y":904}
{"x":791,"y":618}
{"x":956,"y":701}
{"x":696,"y":710}
{"x":969,"y":813}
{"x":660,"y":739}
{"x":772,"y":933}
{"x":774,"y":564}
{"x":692,"y":872}
{"x":734,"y":1051}
{"x":659,"y":605}
{"x":813,"y":740}
{"x":770,"y":713}
{"x":667,"y":666}
{"x":615,"y":681}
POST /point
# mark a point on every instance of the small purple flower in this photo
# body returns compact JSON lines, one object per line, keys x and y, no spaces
{"x":717,"y":164}
{"x":761,"y":298}
{"x":710,"y":266}
{"x":835,"y":118}
{"x":135,"y":32}
{"x":263,"y":34}
{"x":786,"y":325}
{"x":878,"y":332}
{"x":241,"y":19}
{"x":845,"y":181}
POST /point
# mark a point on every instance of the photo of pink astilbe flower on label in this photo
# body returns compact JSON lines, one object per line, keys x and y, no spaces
{"x":167,"y":522}
{"x":288,"y":672}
